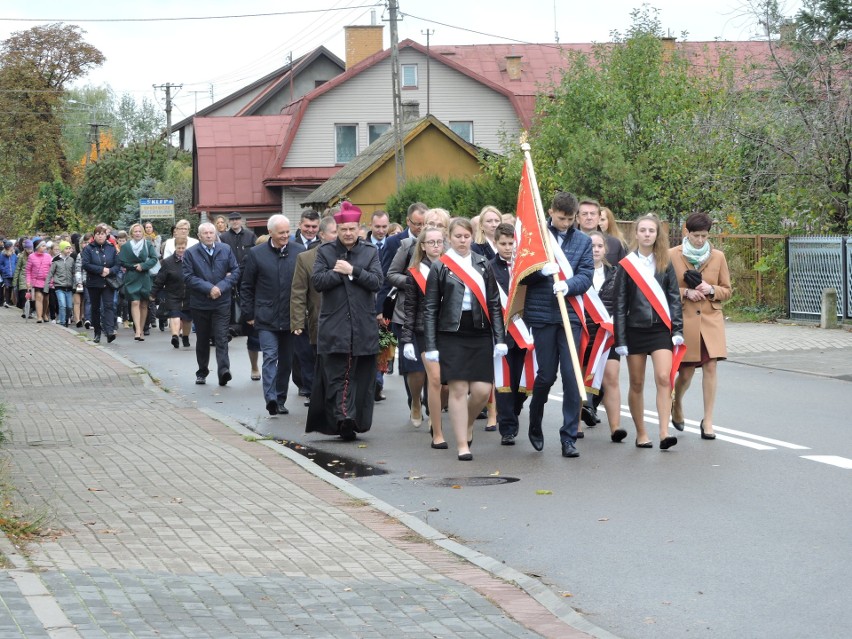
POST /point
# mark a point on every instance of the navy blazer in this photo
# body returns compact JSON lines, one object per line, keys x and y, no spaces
{"x":201,"y":272}
{"x":386,"y":256}
{"x":266,"y":285}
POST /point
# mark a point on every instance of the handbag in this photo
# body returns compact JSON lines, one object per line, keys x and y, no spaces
{"x":156,"y":268}
{"x":112,"y":281}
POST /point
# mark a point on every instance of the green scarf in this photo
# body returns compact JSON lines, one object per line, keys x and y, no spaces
{"x":695,"y":256}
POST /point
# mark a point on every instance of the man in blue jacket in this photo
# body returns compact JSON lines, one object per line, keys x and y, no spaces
{"x":210,"y":271}
{"x":265,"y":301}
{"x":542,"y":315}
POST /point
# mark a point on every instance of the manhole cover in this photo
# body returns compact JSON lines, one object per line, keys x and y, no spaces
{"x":474,"y":481}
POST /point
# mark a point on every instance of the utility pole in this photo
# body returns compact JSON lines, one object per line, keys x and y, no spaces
{"x":195,"y":95}
{"x":168,"y":86}
{"x":399,"y":152}
{"x":428,"y":33}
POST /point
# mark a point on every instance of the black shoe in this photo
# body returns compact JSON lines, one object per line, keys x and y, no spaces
{"x":678,"y":425}
{"x":97,"y":338}
{"x":668,"y":442}
{"x":483,"y":414}
{"x":536,"y":437}
{"x":440,"y":446}
{"x":507,"y":440}
{"x":200,"y":380}
{"x":111,"y":338}
{"x":185,"y":341}
{"x":283,"y":410}
{"x":87,"y":324}
{"x":175,"y":341}
{"x":588,"y":416}
{"x":644,"y":444}
{"x":347,"y":430}
{"x":706,"y":435}
{"x":272,"y":407}
{"x":568,"y":450}
{"x":580,"y":434}
{"x":225,"y":378}
{"x":618,"y":435}
{"x":79,"y":324}
{"x":146,"y":331}
{"x":380,"y":396}
{"x":466,"y":457}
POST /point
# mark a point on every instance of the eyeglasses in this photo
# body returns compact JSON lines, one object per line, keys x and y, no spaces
{"x":434,"y":242}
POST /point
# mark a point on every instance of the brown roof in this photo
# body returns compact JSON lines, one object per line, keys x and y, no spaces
{"x":233,"y":155}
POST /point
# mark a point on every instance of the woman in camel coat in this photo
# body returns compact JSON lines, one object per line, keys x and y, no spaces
{"x":705,"y":283}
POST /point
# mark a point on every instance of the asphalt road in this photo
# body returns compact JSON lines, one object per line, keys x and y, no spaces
{"x":742,"y":537}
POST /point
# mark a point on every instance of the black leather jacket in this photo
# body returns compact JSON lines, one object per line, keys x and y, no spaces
{"x":444,"y":293}
{"x":633,"y":310}
{"x":415,"y":306}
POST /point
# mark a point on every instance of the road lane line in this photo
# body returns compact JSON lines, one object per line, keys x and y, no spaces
{"x":832,"y":460}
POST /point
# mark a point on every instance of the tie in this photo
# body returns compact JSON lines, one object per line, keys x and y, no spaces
{"x":307,"y":244}
{"x":379,"y":245}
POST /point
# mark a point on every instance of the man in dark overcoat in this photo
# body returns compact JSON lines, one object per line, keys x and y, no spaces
{"x":265,"y":302}
{"x":348,"y":274}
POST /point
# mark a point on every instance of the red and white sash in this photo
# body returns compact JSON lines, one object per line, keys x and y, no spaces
{"x":566,"y":273}
{"x":515,"y":326}
{"x":652,"y":290}
{"x":471,"y":278}
{"x":420,"y":273}
{"x":604,"y":339}
{"x":522,"y":335}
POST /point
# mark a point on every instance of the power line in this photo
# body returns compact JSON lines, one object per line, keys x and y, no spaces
{"x":188,"y":18}
{"x":482,"y":33}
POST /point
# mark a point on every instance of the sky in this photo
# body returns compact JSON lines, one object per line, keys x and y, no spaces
{"x":229,"y":53}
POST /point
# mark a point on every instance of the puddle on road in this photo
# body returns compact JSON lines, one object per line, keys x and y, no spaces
{"x":343,"y":467}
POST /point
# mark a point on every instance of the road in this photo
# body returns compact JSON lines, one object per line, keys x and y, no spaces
{"x":747,"y":536}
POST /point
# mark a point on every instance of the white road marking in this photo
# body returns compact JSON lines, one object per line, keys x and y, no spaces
{"x":832,"y":460}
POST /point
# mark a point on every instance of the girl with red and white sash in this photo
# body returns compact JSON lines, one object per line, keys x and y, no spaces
{"x":428,"y":250}
{"x":603,"y":286}
{"x":648,"y":321}
{"x":463,"y":329}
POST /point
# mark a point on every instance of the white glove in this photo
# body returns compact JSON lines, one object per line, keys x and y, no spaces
{"x":408,"y":352}
{"x":560,"y":287}
{"x":677,"y":340}
{"x":550,"y":268}
{"x":621,"y":350}
{"x":431,"y":356}
{"x":500,"y":350}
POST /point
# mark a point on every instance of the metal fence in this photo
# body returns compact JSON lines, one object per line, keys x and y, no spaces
{"x":816,"y":263}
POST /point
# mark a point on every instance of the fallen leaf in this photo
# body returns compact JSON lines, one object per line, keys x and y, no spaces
{"x":434,"y":510}
{"x":347,"y":590}
{"x":95,"y":490}
{"x":362,"y":445}
{"x":604,"y":519}
{"x":496,"y":473}
{"x":456,"y":486}
{"x":544,"y":492}
{"x":566,"y":594}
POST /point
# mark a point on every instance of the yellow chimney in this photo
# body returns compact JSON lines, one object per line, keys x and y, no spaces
{"x":362,"y":41}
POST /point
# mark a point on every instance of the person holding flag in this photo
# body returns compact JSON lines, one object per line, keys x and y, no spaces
{"x":574,"y":267}
{"x":463,"y":329}
{"x":649,"y":321}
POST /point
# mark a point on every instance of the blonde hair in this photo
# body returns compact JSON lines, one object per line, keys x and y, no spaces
{"x":133,"y":226}
{"x":444,"y":216}
{"x":612,"y":228}
{"x":419,"y":250}
{"x":480,"y":234}
{"x":660,"y":248}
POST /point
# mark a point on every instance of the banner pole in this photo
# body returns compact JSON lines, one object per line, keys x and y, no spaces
{"x":549,"y":248}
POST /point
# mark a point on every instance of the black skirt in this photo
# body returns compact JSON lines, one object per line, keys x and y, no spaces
{"x":466,"y":354}
{"x":644,"y":341}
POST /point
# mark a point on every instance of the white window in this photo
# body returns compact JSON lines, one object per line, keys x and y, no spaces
{"x":463,"y":129}
{"x":409,"y":76}
{"x":345,"y":142}
{"x":375,"y":130}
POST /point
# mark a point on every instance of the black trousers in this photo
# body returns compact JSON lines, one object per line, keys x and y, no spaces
{"x":103,"y":320}
{"x":212,"y":323}
{"x":510,"y":404}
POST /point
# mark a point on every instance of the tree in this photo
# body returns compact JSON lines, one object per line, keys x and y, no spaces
{"x":35,"y":67}
{"x":621,"y":125}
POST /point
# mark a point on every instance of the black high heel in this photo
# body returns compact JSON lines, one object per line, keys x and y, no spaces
{"x":705,"y":435}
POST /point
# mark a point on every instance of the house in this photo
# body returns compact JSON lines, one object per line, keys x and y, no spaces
{"x":485,"y":94}
{"x":431,"y":149}
{"x":269,"y":94}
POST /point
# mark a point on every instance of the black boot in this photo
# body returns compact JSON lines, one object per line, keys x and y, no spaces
{"x":97,"y":338}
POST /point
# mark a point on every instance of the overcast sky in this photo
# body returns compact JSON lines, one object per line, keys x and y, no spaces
{"x":229,"y":53}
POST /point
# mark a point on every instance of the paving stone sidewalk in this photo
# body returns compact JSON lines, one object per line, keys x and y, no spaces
{"x":166,"y":522}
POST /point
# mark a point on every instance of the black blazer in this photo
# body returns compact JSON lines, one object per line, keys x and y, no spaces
{"x":633,"y":310}
{"x":444,"y":293}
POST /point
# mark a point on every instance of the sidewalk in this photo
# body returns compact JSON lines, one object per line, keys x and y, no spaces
{"x":166,"y":522}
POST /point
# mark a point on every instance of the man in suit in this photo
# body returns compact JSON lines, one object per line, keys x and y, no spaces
{"x":304,"y":307}
{"x":265,"y":300}
{"x":306,"y":235}
{"x":210,"y":271}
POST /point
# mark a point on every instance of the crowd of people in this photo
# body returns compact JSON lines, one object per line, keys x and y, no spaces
{"x":313,"y":304}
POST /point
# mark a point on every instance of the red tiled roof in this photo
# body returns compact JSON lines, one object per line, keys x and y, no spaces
{"x":232,"y":156}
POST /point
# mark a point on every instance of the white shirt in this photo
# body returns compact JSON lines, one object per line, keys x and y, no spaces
{"x":169,"y":246}
{"x":467,"y":263}
{"x":598,"y":278}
